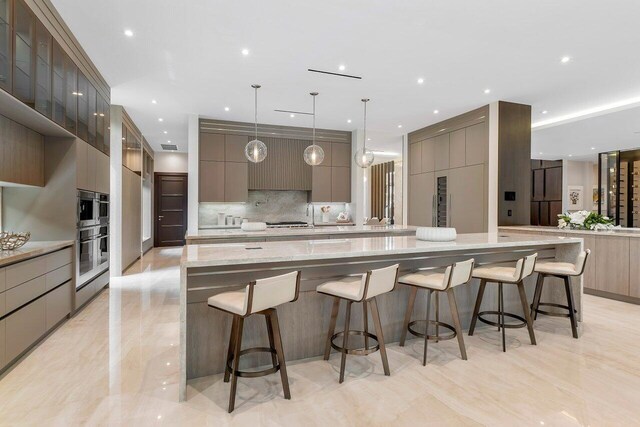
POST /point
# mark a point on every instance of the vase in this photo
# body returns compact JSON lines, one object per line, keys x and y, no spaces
{"x":325,"y":217}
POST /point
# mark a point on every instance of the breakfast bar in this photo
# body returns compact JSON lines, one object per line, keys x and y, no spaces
{"x":209,"y":269}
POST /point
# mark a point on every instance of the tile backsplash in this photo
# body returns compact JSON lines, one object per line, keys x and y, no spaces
{"x":269,"y":206}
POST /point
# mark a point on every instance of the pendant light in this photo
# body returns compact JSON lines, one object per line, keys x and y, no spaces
{"x":314,"y":154}
{"x":255,"y":151}
{"x":364,"y":156}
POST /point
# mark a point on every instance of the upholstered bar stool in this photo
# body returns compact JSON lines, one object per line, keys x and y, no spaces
{"x":440,"y":280}
{"x":561,"y":270}
{"x":362,"y":288}
{"x":259,"y":297}
{"x":501,"y":274}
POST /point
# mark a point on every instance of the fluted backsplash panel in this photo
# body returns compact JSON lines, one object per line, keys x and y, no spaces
{"x":283,"y":169}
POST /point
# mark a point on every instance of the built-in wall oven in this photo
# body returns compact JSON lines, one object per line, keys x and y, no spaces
{"x":93,"y":236}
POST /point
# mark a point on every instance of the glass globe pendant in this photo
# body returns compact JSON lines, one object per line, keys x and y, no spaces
{"x":364,"y":157}
{"x":314,"y":154}
{"x":255,"y":151}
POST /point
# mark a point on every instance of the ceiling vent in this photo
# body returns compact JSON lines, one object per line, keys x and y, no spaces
{"x":169,"y":147}
{"x":349,"y":76}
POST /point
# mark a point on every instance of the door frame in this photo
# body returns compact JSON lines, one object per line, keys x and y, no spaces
{"x":156,"y":201}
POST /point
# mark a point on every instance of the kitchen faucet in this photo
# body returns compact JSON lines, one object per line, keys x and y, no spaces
{"x":311,"y":207}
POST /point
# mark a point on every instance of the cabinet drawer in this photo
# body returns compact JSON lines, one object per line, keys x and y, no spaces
{"x":25,"y":271}
{"x":22,"y":294}
{"x":3,"y":279}
{"x":59,"y":258}
{"x":3,"y":353}
{"x":58,"y":276}
{"x":23,"y":328}
{"x":58,"y":304}
{"x":3,"y":309}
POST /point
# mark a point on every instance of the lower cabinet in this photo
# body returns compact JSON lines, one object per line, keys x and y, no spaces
{"x":612,"y":264}
{"x":25,"y":327}
{"x":3,"y":346}
{"x":58,"y":304}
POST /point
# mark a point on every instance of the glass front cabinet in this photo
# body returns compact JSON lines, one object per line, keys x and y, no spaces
{"x":618,"y":194}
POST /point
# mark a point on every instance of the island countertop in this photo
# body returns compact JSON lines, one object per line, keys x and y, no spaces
{"x":31,"y":250}
{"x":616,"y":232}
{"x":319,"y":232}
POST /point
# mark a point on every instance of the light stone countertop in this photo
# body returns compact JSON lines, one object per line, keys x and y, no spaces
{"x":617,"y":232}
{"x":209,"y":234}
{"x":32,"y":249}
{"x":208,"y":255}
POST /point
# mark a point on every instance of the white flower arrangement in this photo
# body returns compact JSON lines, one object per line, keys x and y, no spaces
{"x":584,"y":220}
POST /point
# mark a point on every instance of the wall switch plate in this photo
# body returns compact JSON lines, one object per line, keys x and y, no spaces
{"x":510,"y":196}
{"x":509,"y":212}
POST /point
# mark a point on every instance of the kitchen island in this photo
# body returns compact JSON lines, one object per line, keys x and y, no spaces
{"x":210,"y":269}
{"x":236,"y":235}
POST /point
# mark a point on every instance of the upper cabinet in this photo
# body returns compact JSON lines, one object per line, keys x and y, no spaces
{"x":83,"y":107}
{"x":58,"y":84}
{"x":24,"y":25}
{"x":71,"y":94}
{"x":43,"y":70}
{"x":6,"y":44}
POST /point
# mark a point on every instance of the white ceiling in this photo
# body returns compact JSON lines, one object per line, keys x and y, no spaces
{"x":187,"y":56}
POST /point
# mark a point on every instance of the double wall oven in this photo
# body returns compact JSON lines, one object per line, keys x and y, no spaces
{"x":93,"y":235}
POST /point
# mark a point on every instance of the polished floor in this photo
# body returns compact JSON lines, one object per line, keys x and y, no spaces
{"x":116,"y":363}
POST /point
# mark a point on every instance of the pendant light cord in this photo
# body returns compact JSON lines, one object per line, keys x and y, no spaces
{"x":313,"y":141}
{"x":364,"y":145}
{"x":256,"y":112}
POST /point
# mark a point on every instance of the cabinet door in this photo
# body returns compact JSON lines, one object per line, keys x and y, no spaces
{"x":24,"y":327}
{"x":535,"y":213}
{"x":6,"y":45}
{"x":82,"y":153}
{"x":477,"y":143}
{"x":24,"y":51}
{"x":340,"y":154}
{"x":211,"y":184}
{"x":3,"y":352}
{"x":589,"y":276}
{"x":92,"y":166}
{"x":57,"y":305}
{"x":58,"y":84}
{"x":326,"y":148}
{"x":466,"y":204}
{"x":83,"y":107}
{"x":106,"y":132}
{"x":553,"y":184}
{"x":341,"y":184}
{"x":415,"y":158}
{"x":428,"y":158}
{"x":212,"y":147}
{"x":71,"y":99}
{"x":234,"y":146}
{"x":43,"y":70}
{"x":612,"y":264}
{"x":92,"y":114}
{"x":102,"y":173}
{"x":457,"y":149}
{"x":321,"y":184}
{"x":537,"y":182}
{"x":420,"y":204}
{"x":100,"y":124}
{"x":236,"y":182}
{"x":441,"y":152}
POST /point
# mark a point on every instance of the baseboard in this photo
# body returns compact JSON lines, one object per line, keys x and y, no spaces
{"x":610,"y":295}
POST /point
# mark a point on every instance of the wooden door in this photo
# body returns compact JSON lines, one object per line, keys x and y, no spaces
{"x":170,"y":209}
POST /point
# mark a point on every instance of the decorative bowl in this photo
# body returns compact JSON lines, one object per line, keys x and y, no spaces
{"x":253,"y":226}
{"x":10,"y":241}
{"x":433,"y":234}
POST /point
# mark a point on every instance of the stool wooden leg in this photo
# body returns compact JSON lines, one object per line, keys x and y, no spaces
{"x":426,"y":331}
{"x":536,"y":296}
{"x":345,"y":341}
{"x":476,"y":309}
{"x":232,"y":335}
{"x":236,"y":361}
{"x":277,"y":338}
{"x":376,"y":321}
{"x":501,"y":311}
{"x":332,"y":327}
{"x":527,"y":316}
{"x":571,"y":305}
{"x":274,"y":360}
{"x":407,"y":316}
{"x":456,"y":322}
{"x":365,"y":318}
{"x":437,"y":304}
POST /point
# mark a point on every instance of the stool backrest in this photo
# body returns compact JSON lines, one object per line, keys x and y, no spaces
{"x":458,"y":273}
{"x":581,"y":262}
{"x":272,"y":291}
{"x":525,"y":266}
{"x":380,"y":281}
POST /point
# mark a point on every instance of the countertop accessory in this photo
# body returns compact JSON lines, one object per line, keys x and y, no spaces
{"x":221,"y":218}
{"x":10,"y":240}
{"x":436,"y":234}
{"x":253,"y":226}
{"x":364,"y":157}
{"x":255,"y":151}
{"x":325,"y":213}
{"x":314,"y":154}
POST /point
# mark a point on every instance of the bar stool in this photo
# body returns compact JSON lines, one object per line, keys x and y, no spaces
{"x":441,"y":280}
{"x":561,"y":270}
{"x":258,"y":297}
{"x":500,"y":274}
{"x":362,"y":288}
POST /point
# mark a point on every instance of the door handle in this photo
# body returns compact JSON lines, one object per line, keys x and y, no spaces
{"x":160,"y":217}
{"x":434,"y":210}
{"x":450,"y":211}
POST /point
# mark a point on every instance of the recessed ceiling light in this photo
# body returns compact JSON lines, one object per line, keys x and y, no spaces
{"x":368,"y":139}
{"x":226,"y":108}
{"x":570,"y":155}
{"x":128,"y":33}
{"x":540,"y":152}
{"x":420,"y":80}
{"x":245,"y":52}
{"x":436,"y":111}
{"x":486,"y":91}
{"x":348,"y":120}
{"x":544,"y":112}
{"x":342,"y":67}
{"x":292,"y":115}
{"x":565,"y":59}
{"x":165,"y":132}
{"x":77,"y":93}
{"x":593,"y":148}
{"x":153,"y":101}
{"x":169,"y":141}
{"x":399,"y":126}
{"x":161,"y":119}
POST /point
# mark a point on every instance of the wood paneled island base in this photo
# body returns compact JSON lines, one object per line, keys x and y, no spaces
{"x":210,"y":269}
